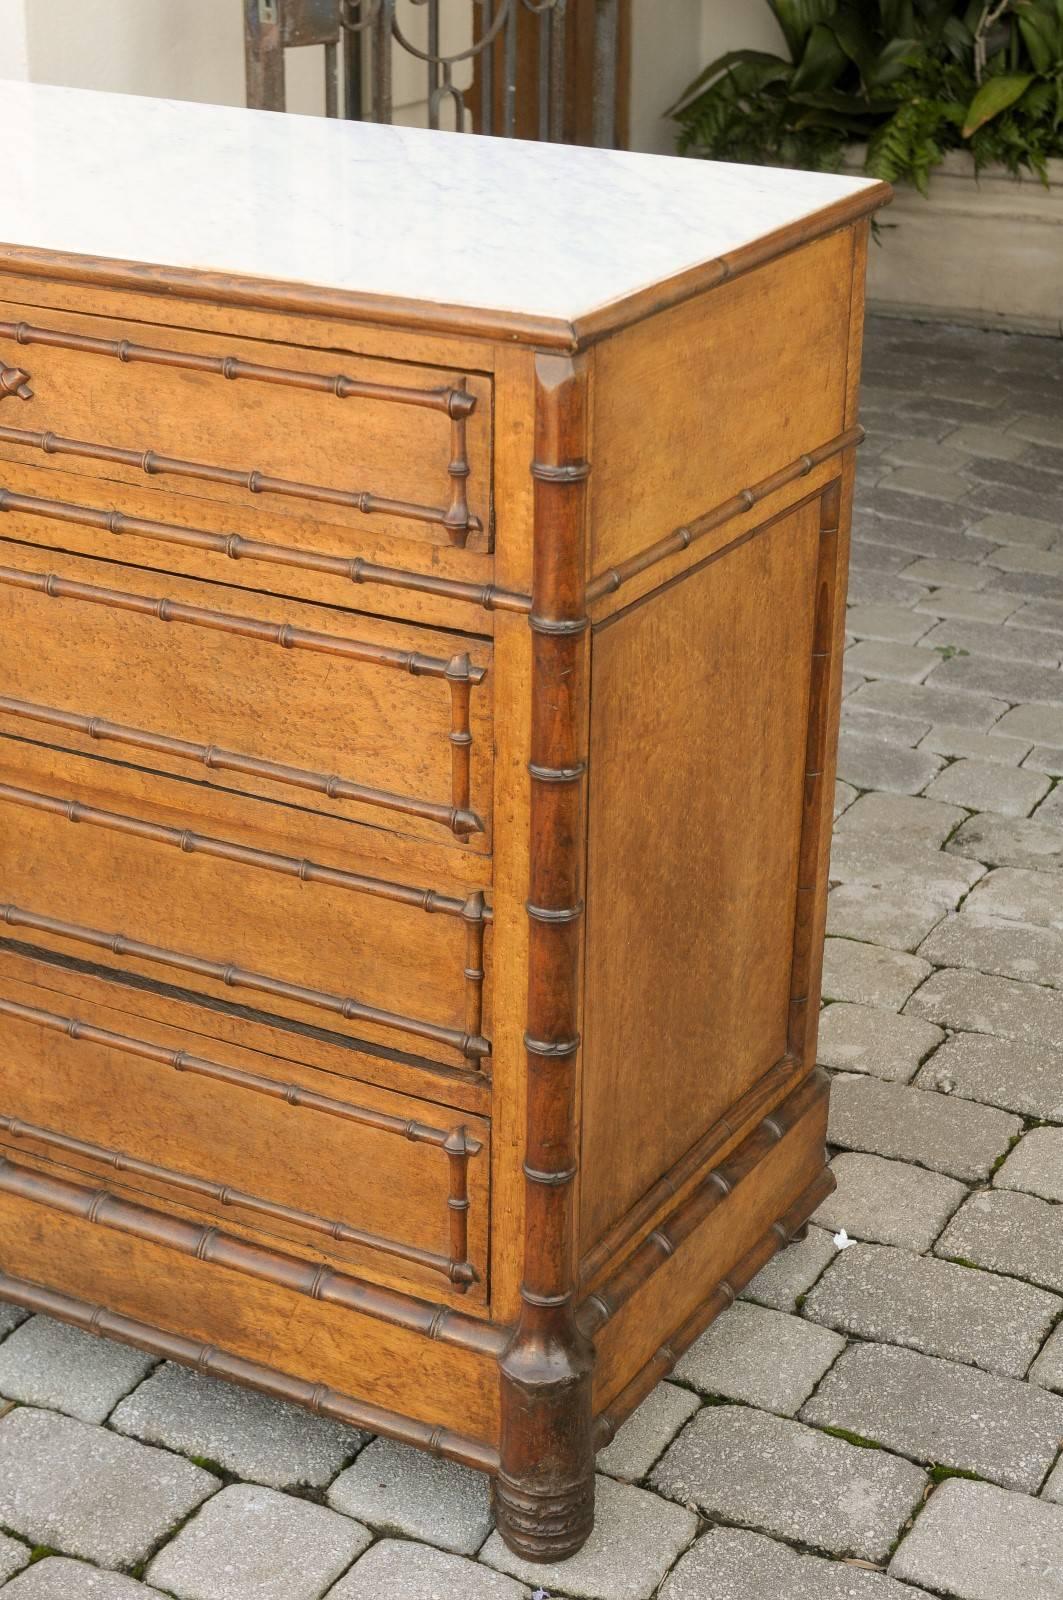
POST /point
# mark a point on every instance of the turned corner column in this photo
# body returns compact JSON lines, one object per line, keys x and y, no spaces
{"x":545,"y":1486}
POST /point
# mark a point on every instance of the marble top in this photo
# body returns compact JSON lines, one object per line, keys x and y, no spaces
{"x":546,"y":231}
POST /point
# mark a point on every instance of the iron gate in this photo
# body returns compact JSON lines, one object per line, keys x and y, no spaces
{"x":545,"y":69}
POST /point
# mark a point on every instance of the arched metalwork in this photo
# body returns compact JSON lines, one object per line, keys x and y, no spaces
{"x":497,"y":44}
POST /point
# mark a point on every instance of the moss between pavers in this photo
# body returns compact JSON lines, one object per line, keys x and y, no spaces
{"x":851,"y":1438}
{"x":938,"y":1474}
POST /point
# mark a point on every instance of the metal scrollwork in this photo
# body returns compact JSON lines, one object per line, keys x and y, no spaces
{"x":492,"y":22}
{"x":506,"y":41}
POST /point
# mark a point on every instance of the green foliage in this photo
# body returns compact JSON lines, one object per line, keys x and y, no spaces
{"x":913,"y":79}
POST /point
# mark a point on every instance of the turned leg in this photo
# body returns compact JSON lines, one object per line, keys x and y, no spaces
{"x":545,"y":1486}
{"x":544,"y":1492}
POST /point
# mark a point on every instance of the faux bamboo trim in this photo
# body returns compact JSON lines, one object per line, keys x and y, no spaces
{"x":205,"y":1358}
{"x":815,"y":818}
{"x":736,"y":263}
{"x":190,"y":843}
{"x":13,"y":381}
{"x":458,"y":672}
{"x":452,"y":399}
{"x":604,"y":1302}
{"x":457,"y":1269}
{"x":609,"y":581}
{"x":210,"y":1244}
{"x":459,"y":676}
{"x":572,"y":774}
{"x":234,"y":976}
{"x":668,"y":1185}
{"x":274,"y":1088}
{"x":233,"y":545}
{"x":561,"y":472}
{"x":554,"y":906}
{"x":545,"y":1490}
{"x":473,"y":1046}
{"x":216,"y":758}
{"x":252,"y":479}
{"x":660,"y":1364}
{"x":458,"y":521}
{"x":457,"y":669}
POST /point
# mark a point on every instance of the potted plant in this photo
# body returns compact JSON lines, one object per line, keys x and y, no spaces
{"x":957,"y":102}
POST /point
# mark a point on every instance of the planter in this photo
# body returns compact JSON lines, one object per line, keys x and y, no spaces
{"x":986,"y":249}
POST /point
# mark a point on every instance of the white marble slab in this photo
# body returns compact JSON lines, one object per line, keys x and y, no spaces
{"x":546,"y":230}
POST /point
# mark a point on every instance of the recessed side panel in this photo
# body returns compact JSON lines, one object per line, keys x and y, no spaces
{"x":699,"y":718}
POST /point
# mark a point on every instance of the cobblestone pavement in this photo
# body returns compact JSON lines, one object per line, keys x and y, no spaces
{"x":880,"y":1420}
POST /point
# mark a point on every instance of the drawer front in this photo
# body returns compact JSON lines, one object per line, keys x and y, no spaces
{"x":349,"y":441}
{"x":337,"y":714}
{"x":93,"y":866}
{"x":52,"y":506}
{"x":394,"y":1186}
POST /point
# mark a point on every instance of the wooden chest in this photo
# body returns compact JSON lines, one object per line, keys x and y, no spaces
{"x":421,"y":594}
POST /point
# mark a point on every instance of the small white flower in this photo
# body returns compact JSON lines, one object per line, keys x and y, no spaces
{"x":842,"y":1241}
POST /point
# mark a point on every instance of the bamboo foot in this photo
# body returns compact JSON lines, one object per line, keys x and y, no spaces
{"x":544,"y":1491}
{"x":543,"y":1522}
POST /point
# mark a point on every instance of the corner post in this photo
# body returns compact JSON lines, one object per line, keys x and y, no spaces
{"x":545,"y":1486}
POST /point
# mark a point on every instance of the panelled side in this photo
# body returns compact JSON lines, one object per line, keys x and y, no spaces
{"x":699,"y":705}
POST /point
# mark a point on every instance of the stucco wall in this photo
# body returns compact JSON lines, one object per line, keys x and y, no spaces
{"x":673,"y":40}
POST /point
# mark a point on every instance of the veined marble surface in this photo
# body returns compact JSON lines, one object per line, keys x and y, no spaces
{"x":545,"y":230}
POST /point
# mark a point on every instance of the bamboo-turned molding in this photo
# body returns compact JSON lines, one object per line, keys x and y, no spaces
{"x":457,"y":1143}
{"x":488,"y":596}
{"x":609,"y":581}
{"x":814,"y":851}
{"x":603,"y":1303}
{"x":458,"y":669}
{"x":255,"y":481}
{"x":459,"y":672}
{"x":214,"y":1363}
{"x":206,"y":1242}
{"x":453,"y":399}
{"x":458,"y":1270}
{"x":460,"y":821}
{"x":237,"y":977}
{"x":355,"y":569}
{"x":473,"y":910}
{"x":781,"y":1233}
{"x":291,"y":1094}
{"x":544,"y":1494}
{"x":690,"y":1165}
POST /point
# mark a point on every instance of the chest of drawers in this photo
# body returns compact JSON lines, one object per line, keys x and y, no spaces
{"x":422,"y":568}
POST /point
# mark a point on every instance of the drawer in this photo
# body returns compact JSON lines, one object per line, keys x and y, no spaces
{"x":53,"y":507}
{"x":350,"y":441}
{"x":334,"y":713}
{"x":138,"y":874}
{"x":396,"y":1187}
